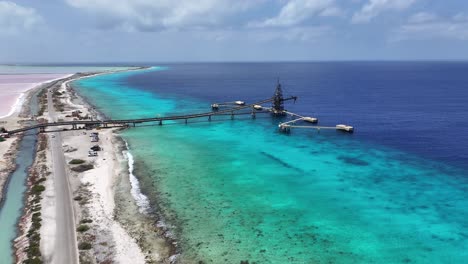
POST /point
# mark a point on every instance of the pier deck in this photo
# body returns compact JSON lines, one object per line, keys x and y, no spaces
{"x":127,"y":122}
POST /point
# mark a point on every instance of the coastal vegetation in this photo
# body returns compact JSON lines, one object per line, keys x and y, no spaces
{"x":59,"y":106}
{"x":76,"y":161}
{"x":86,"y":221}
{"x":82,"y":228}
{"x":2,"y":139}
{"x":42,"y":98}
{"x":85,"y":239}
{"x":82,"y":167}
{"x":34,"y":237}
{"x":37,"y":189}
{"x":38,"y":174}
{"x":84,"y":246}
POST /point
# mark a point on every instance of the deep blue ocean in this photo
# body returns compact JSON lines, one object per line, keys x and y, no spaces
{"x":395,"y":191}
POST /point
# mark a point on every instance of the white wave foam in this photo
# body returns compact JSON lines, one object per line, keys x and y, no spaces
{"x":141,"y":200}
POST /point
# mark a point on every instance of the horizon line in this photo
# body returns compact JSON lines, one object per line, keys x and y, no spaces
{"x":147,"y":63}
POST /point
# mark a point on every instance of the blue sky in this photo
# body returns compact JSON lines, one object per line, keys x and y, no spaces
{"x":232,"y":30}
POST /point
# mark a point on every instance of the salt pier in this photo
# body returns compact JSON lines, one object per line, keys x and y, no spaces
{"x":218,"y":109}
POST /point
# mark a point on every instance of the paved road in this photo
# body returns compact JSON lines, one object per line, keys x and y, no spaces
{"x":66,"y":250}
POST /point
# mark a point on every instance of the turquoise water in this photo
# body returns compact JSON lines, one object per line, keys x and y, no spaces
{"x":238,"y":190}
{"x":12,"y":205}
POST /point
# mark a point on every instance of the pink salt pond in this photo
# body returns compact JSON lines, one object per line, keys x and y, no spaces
{"x":12,"y":86}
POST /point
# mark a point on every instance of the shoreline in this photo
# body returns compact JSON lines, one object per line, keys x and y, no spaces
{"x":141,"y":200}
{"x":129,"y":218}
{"x":18,"y":104}
{"x":20,"y":99}
{"x":20,"y":114}
{"x":15,"y":119}
{"x":27,"y":241}
{"x":131,"y":209}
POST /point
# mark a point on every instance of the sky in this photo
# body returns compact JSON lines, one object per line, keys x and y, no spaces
{"x":84,"y":31}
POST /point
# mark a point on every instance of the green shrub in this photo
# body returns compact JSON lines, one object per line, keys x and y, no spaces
{"x":41,"y":180}
{"x":2,"y":139}
{"x":36,"y":189}
{"x":33,"y":251}
{"x":84,"y":246}
{"x":35,"y":237}
{"x":36,"y":225}
{"x":78,"y":198}
{"x":82,"y":167}
{"x":76,"y":161}
{"x":82,"y":228}
{"x":86,"y":221}
{"x":36,"y":217}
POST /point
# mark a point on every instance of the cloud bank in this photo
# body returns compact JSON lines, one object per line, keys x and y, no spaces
{"x":295,"y":12}
{"x":430,"y":26}
{"x":374,"y":7}
{"x":149,"y":15}
{"x":15,"y":19}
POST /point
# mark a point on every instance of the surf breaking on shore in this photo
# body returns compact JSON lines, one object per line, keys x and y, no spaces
{"x":141,"y":199}
{"x":120,"y":232}
{"x":133,"y":209}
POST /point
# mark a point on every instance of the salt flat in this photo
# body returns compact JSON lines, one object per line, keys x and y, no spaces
{"x":12,"y":87}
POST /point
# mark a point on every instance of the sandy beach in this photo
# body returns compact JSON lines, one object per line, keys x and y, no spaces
{"x":114,"y":240}
{"x":94,"y":194}
{"x":105,"y":214}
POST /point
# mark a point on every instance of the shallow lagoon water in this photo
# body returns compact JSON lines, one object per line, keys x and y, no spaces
{"x":239,"y":190}
{"x":12,"y":206}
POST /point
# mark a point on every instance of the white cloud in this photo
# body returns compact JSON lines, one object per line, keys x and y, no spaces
{"x":15,"y":18}
{"x":151,"y":15}
{"x":295,"y":34}
{"x":306,"y":34}
{"x":295,"y":12}
{"x":425,"y":26}
{"x":374,"y":7}
{"x":460,"y":17}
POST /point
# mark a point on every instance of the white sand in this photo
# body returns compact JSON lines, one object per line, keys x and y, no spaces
{"x":123,"y":249}
{"x":48,"y":213}
{"x":101,"y":205}
{"x":102,"y":180}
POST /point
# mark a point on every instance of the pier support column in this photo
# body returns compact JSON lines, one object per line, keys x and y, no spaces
{"x":285,"y":129}
{"x":209,"y":118}
{"x":232,"y":115}
{"x":73,"y":126}
{"x":134,"y":125}
{"x":253,"y":115}
{"x":185,"y":121}
{"x":41,"y":129}
{"x":160,"y":122}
